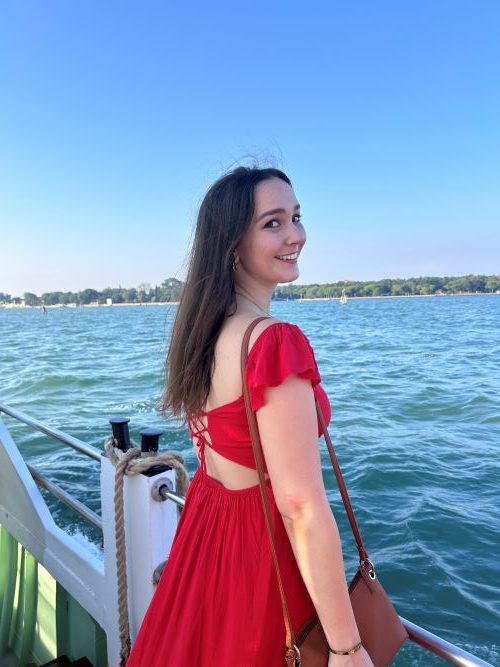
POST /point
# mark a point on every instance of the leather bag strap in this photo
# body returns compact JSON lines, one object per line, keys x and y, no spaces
{"x":258,"y":453}
{"x":363,"y":555}
{"x":257,"y":450}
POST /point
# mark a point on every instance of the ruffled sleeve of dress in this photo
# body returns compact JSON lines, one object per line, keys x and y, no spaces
{"x":279,"y":351}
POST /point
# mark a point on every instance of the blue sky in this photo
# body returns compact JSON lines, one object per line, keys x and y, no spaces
{"x":115,"y":117}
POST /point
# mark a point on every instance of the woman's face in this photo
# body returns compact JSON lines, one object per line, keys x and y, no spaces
{"x":269,"y":250}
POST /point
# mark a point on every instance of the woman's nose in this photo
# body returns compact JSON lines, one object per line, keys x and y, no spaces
{"x":296,"y":235}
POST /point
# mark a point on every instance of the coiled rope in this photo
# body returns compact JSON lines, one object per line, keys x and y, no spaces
{"x":132,"y":463}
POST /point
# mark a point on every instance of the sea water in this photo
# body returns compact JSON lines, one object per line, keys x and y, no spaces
{"x":414,"y":385}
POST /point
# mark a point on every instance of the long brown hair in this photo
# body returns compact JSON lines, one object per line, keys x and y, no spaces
{"x":208,"y":294}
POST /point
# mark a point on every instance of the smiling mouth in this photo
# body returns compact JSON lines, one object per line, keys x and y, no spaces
{"x":288,"y":258}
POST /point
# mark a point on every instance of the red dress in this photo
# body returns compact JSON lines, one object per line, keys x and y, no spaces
{"x":217,"y":602}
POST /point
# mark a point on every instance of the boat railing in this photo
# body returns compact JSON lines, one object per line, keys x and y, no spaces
{"x":75,"y":443}
{"x":427,"y":640}
{"x":442,"y":648}
{"x":90,"y":578}
{"x":85,"y":512}
{"x":82,"y":447}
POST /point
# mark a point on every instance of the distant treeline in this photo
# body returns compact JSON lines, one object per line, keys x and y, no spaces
{"x":171,"y":288}
{"x":392,"y":287}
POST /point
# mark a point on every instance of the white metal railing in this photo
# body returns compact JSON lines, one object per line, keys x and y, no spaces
{"x":85,"y":512}
{"x":84,"y":448}
{"x":79,"y":445}
{"x":24,"y":513}
{"x":150,"y":528}
{"x":441,"y":647}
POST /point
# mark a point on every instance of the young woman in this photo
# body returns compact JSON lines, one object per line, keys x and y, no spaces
{"x":218,"y":602}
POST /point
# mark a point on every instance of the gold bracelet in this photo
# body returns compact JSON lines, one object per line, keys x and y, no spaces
{"x":354,"y":649}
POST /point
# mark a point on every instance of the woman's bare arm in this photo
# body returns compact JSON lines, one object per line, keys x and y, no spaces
{"x":288,"y":430}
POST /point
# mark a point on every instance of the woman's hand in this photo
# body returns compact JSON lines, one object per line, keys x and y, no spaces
{"x":358,"y":659}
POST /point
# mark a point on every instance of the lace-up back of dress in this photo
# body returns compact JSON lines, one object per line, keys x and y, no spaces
{"x":220,"y":435}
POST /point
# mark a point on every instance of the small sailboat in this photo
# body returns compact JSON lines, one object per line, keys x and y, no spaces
{"x":343,"y":298}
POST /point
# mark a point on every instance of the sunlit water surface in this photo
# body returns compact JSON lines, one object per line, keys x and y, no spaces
{"x":415,"y":391}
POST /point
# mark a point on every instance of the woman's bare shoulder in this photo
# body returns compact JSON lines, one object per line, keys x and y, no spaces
{"x":234,"y":329}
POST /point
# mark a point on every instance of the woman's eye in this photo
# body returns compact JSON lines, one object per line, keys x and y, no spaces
{"x":297,"y":218}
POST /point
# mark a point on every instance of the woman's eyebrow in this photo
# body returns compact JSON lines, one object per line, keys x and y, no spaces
{"x":275,"y":210}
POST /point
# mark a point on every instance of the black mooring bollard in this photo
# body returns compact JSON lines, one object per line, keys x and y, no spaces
{"x":121,"y":434}
{"x":150,"y":438}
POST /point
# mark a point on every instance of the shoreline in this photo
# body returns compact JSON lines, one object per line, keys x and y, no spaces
{"x":88,"y":305}
{"x":395,"y":296}
{"x":300,"y":300}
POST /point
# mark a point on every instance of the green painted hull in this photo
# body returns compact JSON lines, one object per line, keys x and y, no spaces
{"x":39,"y":620}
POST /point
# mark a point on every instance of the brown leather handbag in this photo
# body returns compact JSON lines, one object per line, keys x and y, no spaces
{"x":379,"y":625}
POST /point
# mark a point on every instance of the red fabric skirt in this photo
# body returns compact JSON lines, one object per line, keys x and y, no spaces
{"x":217,"y":602}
